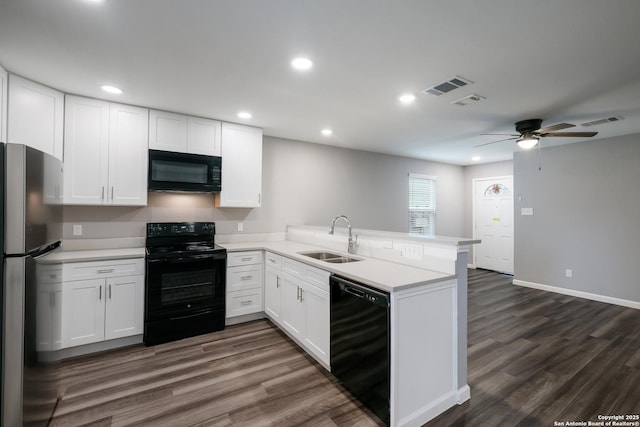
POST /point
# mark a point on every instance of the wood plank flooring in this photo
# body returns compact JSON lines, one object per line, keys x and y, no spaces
{"x":537,"y":357}
{"x":534,"y":358}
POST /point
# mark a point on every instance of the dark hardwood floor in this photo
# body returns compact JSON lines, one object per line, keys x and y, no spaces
{"x":534,"y":358}
{"x":537,"y":357}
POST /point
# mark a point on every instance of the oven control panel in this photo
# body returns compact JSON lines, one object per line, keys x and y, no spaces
{"x":161,"y":229}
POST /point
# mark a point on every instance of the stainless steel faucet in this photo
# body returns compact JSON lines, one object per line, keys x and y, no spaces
{"x":352,"y":242}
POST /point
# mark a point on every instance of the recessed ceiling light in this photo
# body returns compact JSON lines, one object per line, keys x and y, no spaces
{"x":111,"y":89}
{"x":407,"y":98}
{"x":244,"y":115}
{"x":327,"y":132}
{"x":301,"y":63}
{"x":476,"y":158}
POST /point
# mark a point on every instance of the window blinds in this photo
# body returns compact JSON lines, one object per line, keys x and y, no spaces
{"x":422,"y":204}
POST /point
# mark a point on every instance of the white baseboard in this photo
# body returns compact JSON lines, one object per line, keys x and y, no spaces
{"x":464,"y":394}
{"x":579,"y":294}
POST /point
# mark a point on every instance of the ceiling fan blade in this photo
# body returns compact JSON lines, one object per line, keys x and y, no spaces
{"x":493,"y":142}
{"x":508,"y":134}
{"x":571,"y":134}
{"x":554,"y":128}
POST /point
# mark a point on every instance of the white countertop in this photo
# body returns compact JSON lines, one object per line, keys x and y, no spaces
{"x":384,"y":275}
{"x":92,"y":255}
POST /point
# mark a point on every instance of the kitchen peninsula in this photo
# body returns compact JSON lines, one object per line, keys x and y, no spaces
{"x":427,"y":283}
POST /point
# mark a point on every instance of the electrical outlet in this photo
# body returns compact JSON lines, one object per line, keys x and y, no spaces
{"x":568,"y":272}
{"x":77,"y":229}
{"x":240,"y":226}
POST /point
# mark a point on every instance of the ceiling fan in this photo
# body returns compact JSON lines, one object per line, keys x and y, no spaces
{"x":529,"y":133}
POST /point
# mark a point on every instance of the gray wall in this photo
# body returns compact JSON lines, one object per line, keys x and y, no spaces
{"x":303,"y":183}
{"x":586,"y":202}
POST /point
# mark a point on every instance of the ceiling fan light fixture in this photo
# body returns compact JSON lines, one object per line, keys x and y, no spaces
{"x":527,"y":142}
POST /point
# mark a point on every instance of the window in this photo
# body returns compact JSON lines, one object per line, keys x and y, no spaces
{"x":422,"y":204}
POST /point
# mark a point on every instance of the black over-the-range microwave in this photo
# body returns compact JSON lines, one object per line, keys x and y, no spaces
{"x":198,"y":173}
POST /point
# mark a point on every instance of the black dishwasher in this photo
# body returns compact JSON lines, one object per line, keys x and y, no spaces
{"x":360,"y":343}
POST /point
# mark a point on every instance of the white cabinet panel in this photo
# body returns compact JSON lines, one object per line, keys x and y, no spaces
{"x":83,"y":312}
{"x":128,"y":158}
{"x":273,"y":293}
{"x":86,"y":151}
{"x":317,"y":320}
{"x":49,"y":317}
{"x":167,"y":131}
{"x":203,"y":136}
{"x":124,"y":314}
{"x":105,"y":153}
{"x":244,"y":302}
{"x":292,"y":309}
{"x":241,"y":167}
{"x":35,"y":116}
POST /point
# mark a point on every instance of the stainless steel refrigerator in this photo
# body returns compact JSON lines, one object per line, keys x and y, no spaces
{"x":31,"y":218}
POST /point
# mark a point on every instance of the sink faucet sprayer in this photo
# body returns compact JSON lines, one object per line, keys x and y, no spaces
{"x":352,"y":242}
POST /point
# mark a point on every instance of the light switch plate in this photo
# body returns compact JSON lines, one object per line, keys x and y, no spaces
{"x":526,"y":211}
{"x":77,"y":229}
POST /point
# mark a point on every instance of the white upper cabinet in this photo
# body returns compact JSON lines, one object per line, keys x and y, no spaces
{"x":105,"y":153}
{"x":35,"y":116}
{"x":167,"y":131}
{"x":183,"y":134}
{"x":203,"y":136}
{"x":241,"y":167}
{"x":128,"y":155}
{"x":3,"y":105}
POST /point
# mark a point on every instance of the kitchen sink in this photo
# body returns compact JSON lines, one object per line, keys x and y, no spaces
{"x":329,"y":257}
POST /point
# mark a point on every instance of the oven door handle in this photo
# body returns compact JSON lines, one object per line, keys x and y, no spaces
{"x":181,"y":260}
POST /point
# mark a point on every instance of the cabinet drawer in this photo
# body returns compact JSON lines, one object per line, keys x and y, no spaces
{"x":317,"y":277}
{"x":97,"y":269}
{"x":244,"y":258}
{"x":49,"y":273}
{"x":292,"y":267}
{"x":244,"y":302}
{"x":244,"y":277}
{"x":273,"y":260}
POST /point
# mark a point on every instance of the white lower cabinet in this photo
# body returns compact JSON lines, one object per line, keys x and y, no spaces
{"x":49,"y":308}
{"x":273,"y":282}
{"x":106,"y":301}
{"x":244,"y":283}
{"x":304,"y":305}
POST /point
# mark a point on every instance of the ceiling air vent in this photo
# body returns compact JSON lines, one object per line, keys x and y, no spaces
{"x":469,"y":99}
{"x":447,"y":86}
{"x":601,"y":121}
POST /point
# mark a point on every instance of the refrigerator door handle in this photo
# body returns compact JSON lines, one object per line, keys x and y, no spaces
{"x":44,"y":250}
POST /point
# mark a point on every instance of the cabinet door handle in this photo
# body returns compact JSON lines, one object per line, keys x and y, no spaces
{"x":102,"y":197}
{"x":100,"y":293}
{"x":277,"y":281}
{"x":301,"y":294}
{"x":112,"y":193}
{"x":106,"y":270}
{"x":246,"y":278}
{"x":109,"y":291}
{"x":246,"y":259}
{"x":245,"y":302}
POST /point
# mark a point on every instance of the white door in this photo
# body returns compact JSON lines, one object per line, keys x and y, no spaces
{"x":83,"y":312}
{"x":273,"y":294}
{"x":493,"y":223}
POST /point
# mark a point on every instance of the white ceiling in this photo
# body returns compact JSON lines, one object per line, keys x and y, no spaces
{"x":563,"y":61}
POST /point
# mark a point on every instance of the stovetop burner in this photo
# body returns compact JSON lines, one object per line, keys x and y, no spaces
{"x":181,"y":238}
